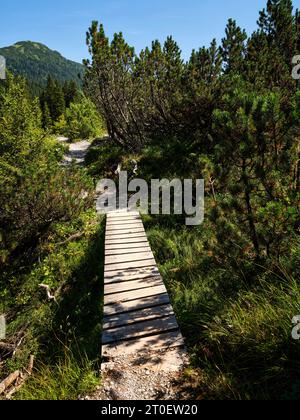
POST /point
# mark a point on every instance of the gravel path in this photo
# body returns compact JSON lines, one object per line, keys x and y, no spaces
{"x":152,"y":376}
{"x":77,"y":151}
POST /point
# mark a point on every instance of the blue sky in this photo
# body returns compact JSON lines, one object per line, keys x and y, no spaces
{"x":61,"y":24}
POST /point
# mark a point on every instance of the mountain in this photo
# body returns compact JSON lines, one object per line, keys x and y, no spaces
{"x":35,"y":61}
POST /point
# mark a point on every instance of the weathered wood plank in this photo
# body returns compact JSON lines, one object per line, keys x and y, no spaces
{"x":137,"y":316}
{"x":135,"y":305}
{"x":114,"y":269}
{"x":141,"y":329}
{"x":135,"y":274}
{"x":130,"y":242}
{"x":127,"y":222}
{"x":158,"y":342}
{"x":111,"y":230}
{"x":123,"y":223}
{"x":123,"y":238}
{"x":123,"y":220}
{"x":121,"y":297}
{"x":122,"y":214}
{"x":124,"y":211}
{"x":124,"y":232}
{"x":138,"y":256}
{"x":126,"y":250}
{"x":126,"y":286}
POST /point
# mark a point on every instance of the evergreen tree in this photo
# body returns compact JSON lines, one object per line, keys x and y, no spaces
{"x":233,"y":48}
{"x":204,"y":66}
{"x":278,"y":23}
{"x":46,"y":116}
{"x":272,"y":47}
{"x":70,"y":90}
{"x":53,"y":96}
{"x":20,"y":122}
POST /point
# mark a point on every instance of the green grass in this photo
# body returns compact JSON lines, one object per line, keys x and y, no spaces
{"x":65,"y":338}
{"x":236,"y":317}
{"x":66,"y":380}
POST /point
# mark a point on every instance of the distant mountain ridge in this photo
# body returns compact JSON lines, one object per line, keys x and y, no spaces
{"x":36,"y":61}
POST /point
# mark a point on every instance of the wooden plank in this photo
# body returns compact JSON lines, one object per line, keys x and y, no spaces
{"x":118,"y":228}
{"x":158,"y":342}
{"x":123,"y":238}
{"x":114,"y":269}
{"x":124,"y":232}
{"x":119,"y":298}
{"x":130,"y":242}
{"x":135,"y":274}
{"x":141,"y":329}
{"x":123,"y":211}
{"x":137,"y":316}
{"x":122,"y":215}
{"x":125,"y":222}
{"x":127,"y":251}
{"x":126,"y":286}
{"x":138,"y":256}
{"x":135,"y":305}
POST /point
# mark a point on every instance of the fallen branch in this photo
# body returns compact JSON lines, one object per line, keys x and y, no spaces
{"x":9,"y":349}
{"x":212,"y":185}
{"x":21,"y":379}
{"x":18,"y":345}
{"x":30,"y":365}
{"x":4,"y":385}
{"x":48,"y":291}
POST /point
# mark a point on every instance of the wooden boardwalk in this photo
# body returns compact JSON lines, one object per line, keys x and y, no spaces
{"x":138,"y":316}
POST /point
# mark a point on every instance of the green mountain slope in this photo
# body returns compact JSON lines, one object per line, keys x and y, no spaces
{"x":35,"y":61}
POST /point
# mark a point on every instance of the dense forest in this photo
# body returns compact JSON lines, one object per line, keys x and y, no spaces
{"x":229,"y":115}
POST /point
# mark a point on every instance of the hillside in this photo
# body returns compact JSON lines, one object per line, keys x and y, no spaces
{"x":35,"y":61}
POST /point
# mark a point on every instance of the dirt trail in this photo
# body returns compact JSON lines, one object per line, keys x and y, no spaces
{"x":143,"y":378}
{"x":77,"y":151}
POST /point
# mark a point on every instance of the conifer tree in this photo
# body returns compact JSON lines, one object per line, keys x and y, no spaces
{"x":233,"y":48}
{"x":70,"y":91}
{"x":275,"y":43}
{"x":53,"y":96}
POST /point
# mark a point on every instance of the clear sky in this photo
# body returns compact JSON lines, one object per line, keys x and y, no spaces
{"x":62,"y":24}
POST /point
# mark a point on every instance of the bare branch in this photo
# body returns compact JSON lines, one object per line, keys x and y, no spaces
{"x":48,"y":291}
